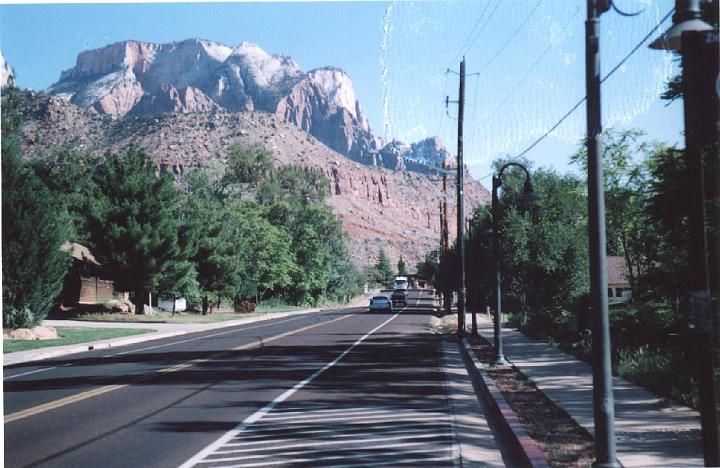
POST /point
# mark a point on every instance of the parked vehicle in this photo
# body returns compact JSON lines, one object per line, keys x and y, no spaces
{"x":380,"y":304}
{"x":398,"y":297}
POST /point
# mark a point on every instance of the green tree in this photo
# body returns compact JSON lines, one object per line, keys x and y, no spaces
{"x":668,"y":273}
{"x":263,"y":249}
{"x":402,"y":269}
{"x":428,"y":268}
{"x":626,"y":180}
{"x":543,"y":249}
{"x":215,"y":261}
{"x":384,"y":270}
{"x":313,"y":229}
{"x":34,"y":225}
{"x":247,"y":167}
{"x":295,"y":185}
{"x":134,"y":222}
{"x":69,"y":172}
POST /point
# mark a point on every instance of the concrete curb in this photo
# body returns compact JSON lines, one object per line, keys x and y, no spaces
{"x":505,"y":416}
{"x":22,"y":357}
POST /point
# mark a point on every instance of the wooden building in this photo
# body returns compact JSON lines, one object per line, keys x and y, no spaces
{"x":86,"y":282}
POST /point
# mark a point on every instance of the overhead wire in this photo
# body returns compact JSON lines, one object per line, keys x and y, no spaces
{"x":499,"y":51}
{"x":477,"y":35}
{"x":579,"y":103}
{"x":528,"y":71}
{"x":472,"y":31}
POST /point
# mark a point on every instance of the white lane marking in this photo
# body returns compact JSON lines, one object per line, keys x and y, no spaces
{"x":389,"y":428}
{"x":314,"y":444}
{"x":247,"y":422}
{"x":156,"y":346}
{"x":386,"y":463}
{"x":370,"y":417}
{"x":340,"y":457}
{"x":34,"y":372}
{"x":398,"y":433}
{"x":302,"y":412}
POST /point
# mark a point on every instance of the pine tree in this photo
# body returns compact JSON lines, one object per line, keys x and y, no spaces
{"x":35,"y":223}
{"x":383,"y":268}
{"x":133,"y":222}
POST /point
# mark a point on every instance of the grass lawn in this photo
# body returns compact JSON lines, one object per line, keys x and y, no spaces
{"x":69,"y":336}
{"x":219,"y":315}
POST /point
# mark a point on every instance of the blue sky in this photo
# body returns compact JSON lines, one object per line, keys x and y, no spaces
{"x":529,"y":55}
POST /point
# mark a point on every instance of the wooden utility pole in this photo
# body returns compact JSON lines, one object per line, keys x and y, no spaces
{"x":460,"y":206}
{"x":444,"y":229}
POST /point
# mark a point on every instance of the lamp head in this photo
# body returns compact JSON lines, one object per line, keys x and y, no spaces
{"x":529,"y":195}
{"x":687,"y":17}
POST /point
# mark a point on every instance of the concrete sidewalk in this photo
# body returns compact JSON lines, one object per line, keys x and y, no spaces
{"x":646,"y":433}
{"x":162,"y":330}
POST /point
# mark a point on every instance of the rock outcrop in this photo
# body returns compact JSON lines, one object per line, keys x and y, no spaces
{"x":6,"y":73}
{"x":140,"y":78}
{"x":323,"y":103}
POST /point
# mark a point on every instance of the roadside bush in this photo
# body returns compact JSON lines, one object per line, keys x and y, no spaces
{"x":16,"y":318}
{"x":665,"y":372}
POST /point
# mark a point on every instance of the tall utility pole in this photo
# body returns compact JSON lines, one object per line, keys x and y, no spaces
{"x":460,"y":209}
{"x":603,"y":404}
{"x":445,"y":233}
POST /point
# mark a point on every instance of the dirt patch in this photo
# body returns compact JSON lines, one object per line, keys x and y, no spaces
{"x":563,"y":441}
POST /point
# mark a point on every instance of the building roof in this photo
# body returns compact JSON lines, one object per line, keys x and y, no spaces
{"x":617,"y":272}
{"x":79,"y":252}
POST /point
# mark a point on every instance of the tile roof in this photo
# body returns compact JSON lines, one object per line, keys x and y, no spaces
{"x":617,"y":271}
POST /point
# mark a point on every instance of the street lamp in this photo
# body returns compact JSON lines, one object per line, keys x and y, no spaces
{"x":697,"y":43}
{"x":528,"y":195}
{"x":687,"y":17}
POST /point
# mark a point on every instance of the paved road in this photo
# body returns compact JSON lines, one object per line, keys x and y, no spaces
{"x":340,"y":388}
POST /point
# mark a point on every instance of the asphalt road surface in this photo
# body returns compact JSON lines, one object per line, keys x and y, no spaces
{"x":338,"y":388}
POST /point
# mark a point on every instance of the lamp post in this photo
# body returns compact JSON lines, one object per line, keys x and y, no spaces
{"x":698,"y":44}
{"x":528,"y":196}
{"x":603,"y":401}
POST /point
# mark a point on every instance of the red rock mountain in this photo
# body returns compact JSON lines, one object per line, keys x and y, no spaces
{"x":187,"y":102}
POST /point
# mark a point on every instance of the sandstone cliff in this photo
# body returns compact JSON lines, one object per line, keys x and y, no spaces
{"x":140,"y":78}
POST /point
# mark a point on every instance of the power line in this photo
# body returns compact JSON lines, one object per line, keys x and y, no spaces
{"x":492,"y":13}
{"x":501,"y":49}
{"x":514,"y":34}
{"x":613,"y":70}
{"x":472,"y":31}
{"x":528,"y":71}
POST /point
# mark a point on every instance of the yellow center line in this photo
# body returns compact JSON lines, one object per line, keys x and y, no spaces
{"x":109,"y":388}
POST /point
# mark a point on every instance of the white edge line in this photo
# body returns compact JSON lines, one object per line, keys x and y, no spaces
{"x":247,"y":422}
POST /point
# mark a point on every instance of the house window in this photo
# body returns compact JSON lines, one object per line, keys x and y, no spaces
{"x":610,"y":292}
{"x":618,"y":292}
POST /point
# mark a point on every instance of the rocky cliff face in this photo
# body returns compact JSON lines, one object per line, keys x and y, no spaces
{"x":140,"y":78}
{"x":5,"y":71}
{"x":418,"y":157}
{"x":324,"y":103}
{"x":380,"y":208}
